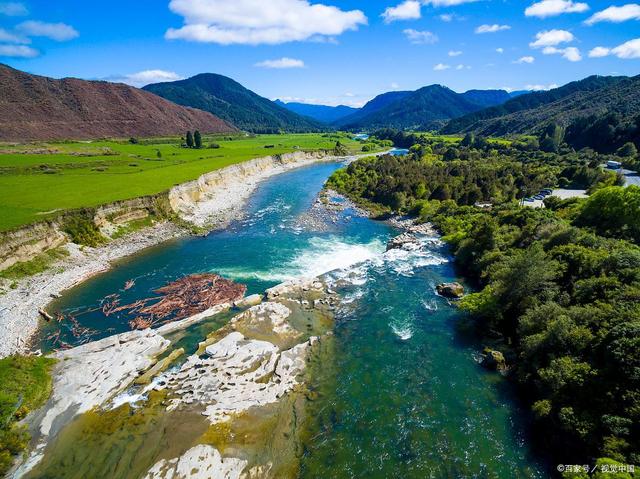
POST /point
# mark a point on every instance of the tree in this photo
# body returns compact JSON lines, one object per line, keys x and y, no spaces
{"x":628,"y":150}
{"x":189,"y":140}
{"x":340,"y":149}
{"x":468,"y":140}
{"x":197,"y":139}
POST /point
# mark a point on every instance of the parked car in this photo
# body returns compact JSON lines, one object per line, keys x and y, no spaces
{"x":529,"y":199}
{"x":546,"y":192}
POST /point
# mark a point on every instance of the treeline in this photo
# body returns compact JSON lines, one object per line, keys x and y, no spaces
{"x":567,"y":302}
{"x":560,"y":285}
{"x":466,"y":174}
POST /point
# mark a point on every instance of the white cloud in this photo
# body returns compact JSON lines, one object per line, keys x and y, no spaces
{"x":10,"y":37}
{"x":394,"y":86}
{"x":13,"y":9}
{"x":420,"y":38}
{"x":500,"y":50}
{"x":463,"y":67}
{"x":552,"y":8}
{"x":149,"y":76}
{"x":441,"y":67}
{"x":446,"y":17}
{"x":281,"y":63}
{"x":523,"y":60}
{"x":615,"y":14}
{"x":551,"y":38}
{"x":407,"y":10}
{"x":455,"y":53}
{"x":254,"y":22}
{"x":20,"y":51}
{"x":627,"y":51}
{"x":492,"y":28}
{"x":599,"y":52}
{"x":570,"y":53}
{"x":60,"y":32}
{"x":446,"y":3}
{"x":541,"y":87}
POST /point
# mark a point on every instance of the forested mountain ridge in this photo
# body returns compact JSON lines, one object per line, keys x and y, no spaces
{"x":324,"y":113}
{"x":531,"y":112}
{"x":231,"y":101}
{"x":35,"y":107}
{"x":424,"y":109}
{"x":378,"y":103}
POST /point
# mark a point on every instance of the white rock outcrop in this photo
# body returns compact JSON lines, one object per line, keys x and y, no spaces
{"x":199,"y":462}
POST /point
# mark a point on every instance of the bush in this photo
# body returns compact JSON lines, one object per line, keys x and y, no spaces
{"x":83,"y":230}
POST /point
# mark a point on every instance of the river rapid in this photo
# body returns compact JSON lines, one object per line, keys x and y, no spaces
{"x":402,"y":394}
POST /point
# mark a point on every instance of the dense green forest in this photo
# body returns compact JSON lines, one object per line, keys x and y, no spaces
{"x":232,"y":102}
{"x":424,"y":109}
{"x":558,"y":288}
{"x":602,"y":113}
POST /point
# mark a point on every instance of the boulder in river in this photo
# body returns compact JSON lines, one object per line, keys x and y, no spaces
{"x":450,"y":290}
{"x":403,"y":241}
{"x":494,"y":360}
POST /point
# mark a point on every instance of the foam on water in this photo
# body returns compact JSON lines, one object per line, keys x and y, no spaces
{"x":320,"y":256}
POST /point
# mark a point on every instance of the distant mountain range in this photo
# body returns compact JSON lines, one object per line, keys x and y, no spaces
{"x":531,"y":112}
{"x":424,"y":109}
{"x":322,"y":113}
{"x":39,"y":108}
{"x":234,"y":103}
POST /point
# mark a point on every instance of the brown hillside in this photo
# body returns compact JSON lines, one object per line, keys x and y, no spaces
{"x":39,"y":108}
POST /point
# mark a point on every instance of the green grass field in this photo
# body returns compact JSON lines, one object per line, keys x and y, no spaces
{"x":39,"y":180}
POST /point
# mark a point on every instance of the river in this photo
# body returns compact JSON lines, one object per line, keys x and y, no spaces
{"x":404,"y":395}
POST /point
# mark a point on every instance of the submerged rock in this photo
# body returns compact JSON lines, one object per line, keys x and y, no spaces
{"x":450,"y":290}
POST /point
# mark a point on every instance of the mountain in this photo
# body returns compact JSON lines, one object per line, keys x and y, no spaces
{"x":373,"y":106}
{"x":486,"y":98}
{"x":325,"y":114}
{"x":232,"y":102}
{"x":39,"y":108}
{"x":424,"y":109}
{"x":533,"y":111}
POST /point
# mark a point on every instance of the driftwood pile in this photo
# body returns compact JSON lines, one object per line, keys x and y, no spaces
{"x":177,"y":300}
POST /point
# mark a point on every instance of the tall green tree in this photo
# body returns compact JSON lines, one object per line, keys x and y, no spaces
{"x":189,"y":140}
{"x":197,"y":139}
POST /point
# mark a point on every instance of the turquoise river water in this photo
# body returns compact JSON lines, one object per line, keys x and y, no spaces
{"x":405,"y":397}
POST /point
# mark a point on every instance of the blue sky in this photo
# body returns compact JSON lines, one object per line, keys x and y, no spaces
{"x":325,"y":51}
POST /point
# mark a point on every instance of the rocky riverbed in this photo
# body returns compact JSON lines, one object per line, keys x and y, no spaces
{"x":253,"y":367}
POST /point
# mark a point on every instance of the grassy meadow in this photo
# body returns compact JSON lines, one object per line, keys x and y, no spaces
{"x":41,"y":179}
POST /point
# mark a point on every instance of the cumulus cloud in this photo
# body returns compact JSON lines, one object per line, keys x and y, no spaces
{"x":523,"y":60}
{"x":599,"y":52}
{"x":446,"y":17}
{"x":146,"y":77}
{"x":492,"y":28}
{"x":615,"y":14}
{"x":552,"y":8}
{"x":407,"y":10}
{"x":500,"y":50}
{"x":420,"y":37}
{"x":570,"y":53}
{"x":281,"y":63}
{"x":60,"y":32}
{"x":254,"y":22}
{"x":541,"y":87}
{"x":441,"y":67}
{"x":11,"y":37}
{"x":13,"y":9}
{"x":627,"y":51}
{"x":455,"y":53}
{"x":551,"y":38}
{"x":18,"y":51}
